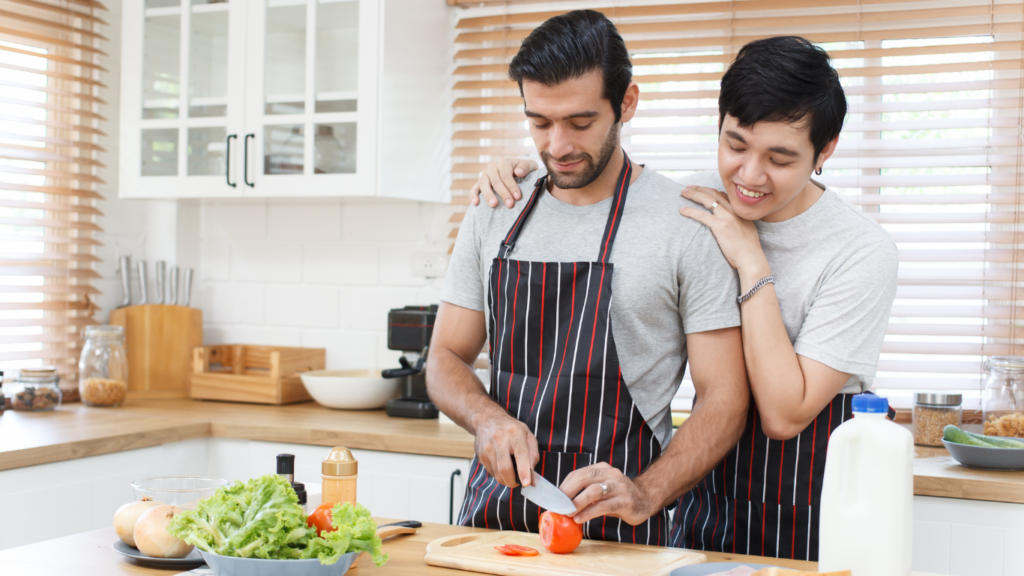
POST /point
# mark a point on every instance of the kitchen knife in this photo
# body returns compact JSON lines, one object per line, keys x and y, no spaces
{"x":172,"y":287}
{"x":142,"y":283}
{"x":125,"y":274}
{"x":187,"y":298}
{"x":548,"y":496}
{"x":161,"y":270}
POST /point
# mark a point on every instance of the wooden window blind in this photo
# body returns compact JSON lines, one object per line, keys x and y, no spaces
{"x":49,"y":77}
{"x":931,"y":148}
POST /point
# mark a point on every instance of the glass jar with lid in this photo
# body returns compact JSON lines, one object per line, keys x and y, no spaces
{"x":1002,"y":401}
{"x":933,"y":411}
{"x":35,"y":389}
{"x":103,"y":367}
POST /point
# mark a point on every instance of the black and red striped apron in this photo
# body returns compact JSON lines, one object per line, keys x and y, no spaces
{"x":554,"y":367}
{"x":763,"y":498}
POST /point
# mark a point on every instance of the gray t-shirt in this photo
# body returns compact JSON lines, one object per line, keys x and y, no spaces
{"x":670,"y":277}
{"x":835,"y":275}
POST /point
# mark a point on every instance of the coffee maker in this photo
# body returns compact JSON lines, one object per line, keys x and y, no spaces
{"x":409,"y":330}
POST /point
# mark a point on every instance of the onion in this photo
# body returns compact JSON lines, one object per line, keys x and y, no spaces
{"x":127,"y":515}
{"x":151,"y":535}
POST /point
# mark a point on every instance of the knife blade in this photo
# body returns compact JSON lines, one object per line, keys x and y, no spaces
{"x":546,"y":495}
{"x":187,"y":299}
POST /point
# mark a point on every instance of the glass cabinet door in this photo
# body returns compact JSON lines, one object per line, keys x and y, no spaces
{"x":192,"y":96}
{"x":308,"y":97}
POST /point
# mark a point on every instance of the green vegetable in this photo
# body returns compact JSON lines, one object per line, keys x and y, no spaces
{"x":996,"y":441}
{"x":261,"y":518}
{"x":953,"y":434}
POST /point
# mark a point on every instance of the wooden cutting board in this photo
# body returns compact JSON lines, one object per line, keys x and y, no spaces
{"x":476,"y":553}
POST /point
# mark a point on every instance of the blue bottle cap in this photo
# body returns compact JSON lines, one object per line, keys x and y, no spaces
{"x":870,"y":404}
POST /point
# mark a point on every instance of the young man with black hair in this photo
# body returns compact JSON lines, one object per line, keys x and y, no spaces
{"x":817,"y":282}
{"x":581,"y":385}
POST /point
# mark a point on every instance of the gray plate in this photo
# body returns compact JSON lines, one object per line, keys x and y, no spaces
{"x":987,"y":458}
{"x":193,"y":560}
{"x":712,"y":568}
{"x":230,"y":566}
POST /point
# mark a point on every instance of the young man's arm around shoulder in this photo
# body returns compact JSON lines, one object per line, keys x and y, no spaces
{"x":459,"y":335}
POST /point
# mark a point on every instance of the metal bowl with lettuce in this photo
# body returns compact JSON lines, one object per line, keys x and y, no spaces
{"x":258,"y":527}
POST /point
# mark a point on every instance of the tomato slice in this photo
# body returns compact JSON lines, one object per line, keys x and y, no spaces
{"x":522,"y":550}
{"x":504,"y":549}
{"x":558,"y":533}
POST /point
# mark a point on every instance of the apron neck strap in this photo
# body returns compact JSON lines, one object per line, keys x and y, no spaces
{"x":610,"y":229}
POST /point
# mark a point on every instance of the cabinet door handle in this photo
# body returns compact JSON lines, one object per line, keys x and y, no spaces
{"x":451,"y":495}
{"x":245,"y":161}
{"x":227,"y":169}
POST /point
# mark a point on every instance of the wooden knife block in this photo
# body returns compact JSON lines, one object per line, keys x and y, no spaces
{"x":159,"y":339}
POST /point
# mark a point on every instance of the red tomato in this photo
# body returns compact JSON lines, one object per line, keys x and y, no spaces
{"x":321,"y":519}
{"x":516,"y":550}
{"x":560,"y":534}
{"x":522,"y":550}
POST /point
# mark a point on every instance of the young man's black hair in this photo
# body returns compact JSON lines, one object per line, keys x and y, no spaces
{"x":571,"y":45}
{"x":794,"y":81}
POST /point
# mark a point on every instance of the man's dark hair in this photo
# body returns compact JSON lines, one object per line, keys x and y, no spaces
{"x":784,"y":79}
{"x":571,"y":45}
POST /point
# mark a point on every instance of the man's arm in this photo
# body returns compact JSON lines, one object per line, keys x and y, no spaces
{"x":713,"y":428}
{"x":459,"y":335}
{"x":790,"y":390}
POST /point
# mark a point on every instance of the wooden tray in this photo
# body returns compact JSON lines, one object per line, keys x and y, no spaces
{"x":258,"y":374}
{"x":476,"y":553}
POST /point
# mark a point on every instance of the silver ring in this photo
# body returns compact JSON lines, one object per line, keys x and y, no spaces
{"x":604,"y":489}
{"x":713,"y":206}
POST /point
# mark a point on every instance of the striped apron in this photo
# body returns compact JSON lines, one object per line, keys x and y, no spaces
{"x":554,"y":367}
{"x":763,"y":498}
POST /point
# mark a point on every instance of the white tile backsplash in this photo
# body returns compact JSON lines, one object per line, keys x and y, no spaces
{"x":266,"y":261}
{"x":303,"y":306}
{"x":305,"y":221}
{"x":235,"y":220}
{"x":315,"y":273}
{"x":341,"y":263}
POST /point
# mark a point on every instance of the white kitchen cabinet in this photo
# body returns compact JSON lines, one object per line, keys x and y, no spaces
{"x":285,"y":98}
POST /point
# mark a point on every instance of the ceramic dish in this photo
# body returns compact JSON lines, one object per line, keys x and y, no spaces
{"x":193,"y":560}
{"x":713,"y":568}
{"x":231,"y":566}
{"x":987,"y":458}
{"x":350,"y":389}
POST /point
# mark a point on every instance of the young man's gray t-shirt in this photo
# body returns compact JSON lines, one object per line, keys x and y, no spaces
{"x":835,"y":274}
{"x":670,"y":277}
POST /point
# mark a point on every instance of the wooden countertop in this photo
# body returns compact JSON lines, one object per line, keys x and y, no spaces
{"x":76,"y":431}
{"x":90,"y":554}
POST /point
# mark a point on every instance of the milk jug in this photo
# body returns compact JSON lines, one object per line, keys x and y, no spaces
{"x":867,"y":494}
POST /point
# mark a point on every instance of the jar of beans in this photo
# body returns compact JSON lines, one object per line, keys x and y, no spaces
{"x":35,"y":390}
{"x":933,"y":411}
{"x":103,"y":367}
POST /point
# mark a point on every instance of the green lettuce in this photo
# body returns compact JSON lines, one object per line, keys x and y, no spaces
{"x":262,"y":518}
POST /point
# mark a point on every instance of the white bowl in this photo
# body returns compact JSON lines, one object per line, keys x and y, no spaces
{"x":351,"y":389}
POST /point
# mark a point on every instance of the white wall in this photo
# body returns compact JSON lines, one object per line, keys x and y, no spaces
{"x":315,"y":273}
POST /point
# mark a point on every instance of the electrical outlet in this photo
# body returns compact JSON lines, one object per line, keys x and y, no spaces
{"x":429,"y":264}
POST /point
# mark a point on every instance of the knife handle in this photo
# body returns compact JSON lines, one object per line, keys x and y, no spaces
{"x":172,"y":287}
{"x":187,"y":290}
{"x":161,"y":274}
{"x":143,"y":289}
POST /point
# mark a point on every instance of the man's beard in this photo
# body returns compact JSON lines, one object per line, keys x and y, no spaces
{"x":591,"y":169}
